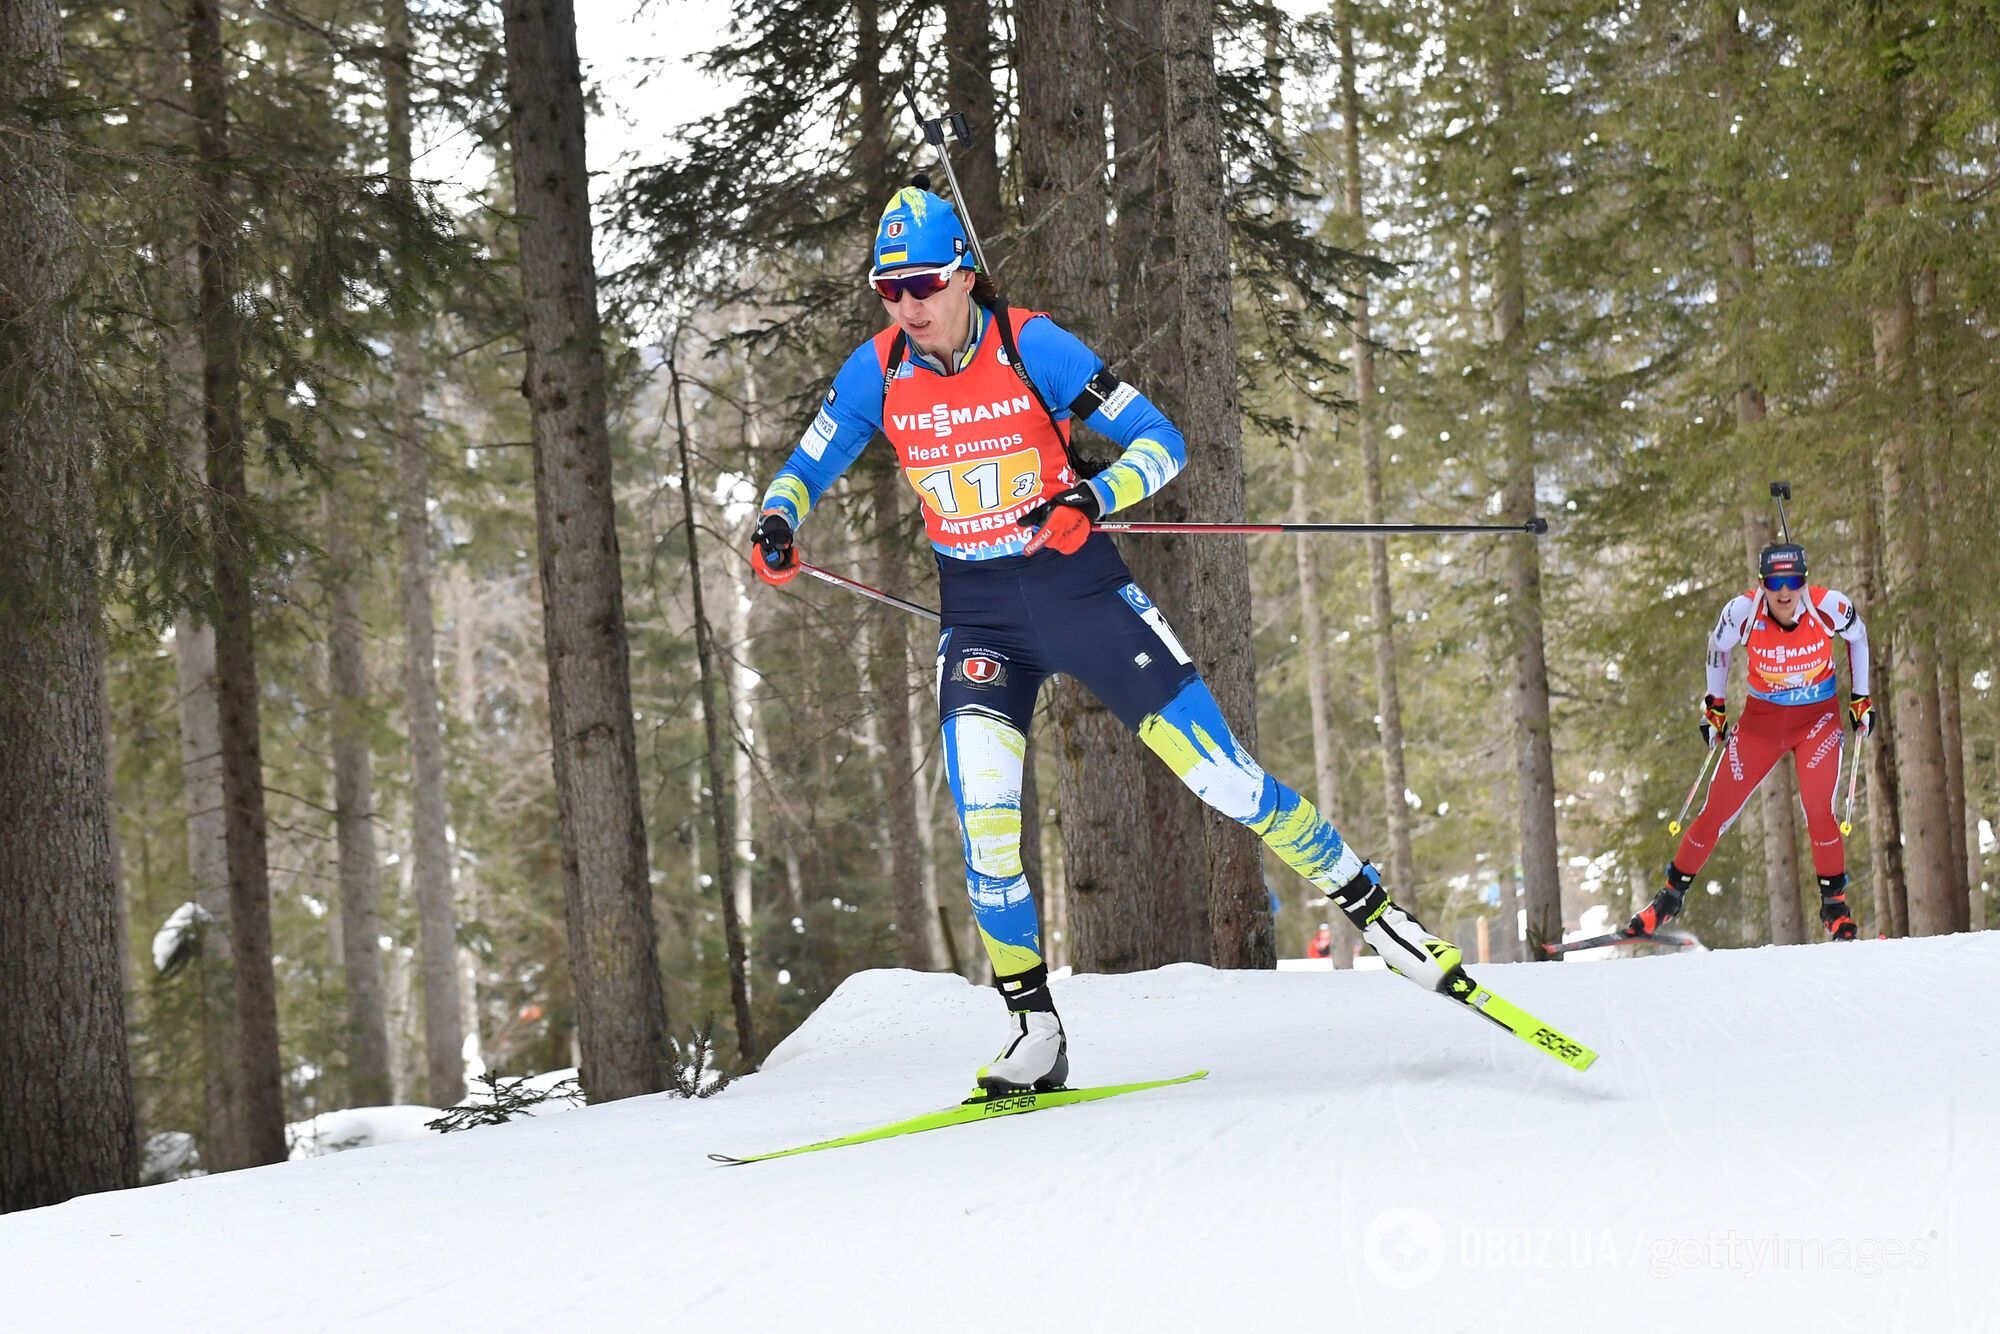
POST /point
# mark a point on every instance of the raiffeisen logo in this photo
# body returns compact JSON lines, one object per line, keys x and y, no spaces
{"x":942,"y":417}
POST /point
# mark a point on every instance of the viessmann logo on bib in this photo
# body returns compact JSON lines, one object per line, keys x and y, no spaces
{"x":942,"y":417}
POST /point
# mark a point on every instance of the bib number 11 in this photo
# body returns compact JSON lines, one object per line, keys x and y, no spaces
{"x":980,"y":488}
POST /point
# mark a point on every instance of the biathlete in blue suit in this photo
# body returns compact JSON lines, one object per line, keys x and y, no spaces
{"x":978,"y":401}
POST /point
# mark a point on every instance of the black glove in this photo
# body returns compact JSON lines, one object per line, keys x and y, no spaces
{"x":772,"y":554}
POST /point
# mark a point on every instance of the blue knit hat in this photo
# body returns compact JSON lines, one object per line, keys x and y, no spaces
{"x":920,"y":228}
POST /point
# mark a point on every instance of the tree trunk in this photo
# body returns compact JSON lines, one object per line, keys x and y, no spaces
{"x":66,"y":1116}
{"x":1920,"y":761}
{"x":968,"y":43}
{"x":1975,"y":862}
{"x":742,"y":774}
{"x":1147,"y":330}
{"x":1512,"y":907}
{"x":889,"y":686}
{"x":128,"y":992}
{"x":1965,"y":879}
{"x":1239,"y":911}
{"x":1064,"y":250}
{"x":1319,"y":688}
{"x":354,"y":792}
{"x":459,"y":611}
{"x":744,"y":677}
{"x":1939,"y":502}
{"x":212,"y":974}
{"x":621,"y":1010}
{"x":1382,"y":610}
{"x":235,"y":636}
{"x":1172,"y":914}
{"x":221,"y":1138}
{"x":1534,"y":761}
{"x":1062,"y":71}
{"x":1344,"y":940}
{"x":1939,"y":499}
{"x":922,"y":942}
{"x":1887,"y":886}
{"x":712,"y":734}
{"x":430,"y":852}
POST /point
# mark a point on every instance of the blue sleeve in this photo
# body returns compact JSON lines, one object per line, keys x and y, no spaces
{"x":1061,"y":366}
{"x":846,"y":421}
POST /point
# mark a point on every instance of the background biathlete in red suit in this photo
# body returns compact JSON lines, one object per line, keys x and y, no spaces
{"x":1787,"y":629}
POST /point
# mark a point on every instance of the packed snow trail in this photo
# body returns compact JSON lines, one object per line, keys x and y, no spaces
{"x":1775,"y":1139}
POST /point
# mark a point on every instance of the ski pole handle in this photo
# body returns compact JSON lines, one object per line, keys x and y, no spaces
{"x":1714,"y":753}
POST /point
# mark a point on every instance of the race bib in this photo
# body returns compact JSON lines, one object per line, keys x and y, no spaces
{"x":960,"y":490}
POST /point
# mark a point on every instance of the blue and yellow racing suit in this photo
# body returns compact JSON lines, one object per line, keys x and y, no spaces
{"x":981,"y":443}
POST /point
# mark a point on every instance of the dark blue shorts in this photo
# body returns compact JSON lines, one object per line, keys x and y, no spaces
{"x":1012,"y":622}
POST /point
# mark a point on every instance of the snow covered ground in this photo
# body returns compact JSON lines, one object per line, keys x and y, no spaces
{"x":1778,"y":1139}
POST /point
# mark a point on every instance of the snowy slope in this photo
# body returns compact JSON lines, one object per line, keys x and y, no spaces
{"x":1779,"y":1139}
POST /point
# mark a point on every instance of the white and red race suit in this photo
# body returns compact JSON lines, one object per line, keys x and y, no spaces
{"x":1792,"y":708}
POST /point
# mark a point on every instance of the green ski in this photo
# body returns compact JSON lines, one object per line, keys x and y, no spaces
{"x":1481,"y":1000}
{"x":980,"y":1107}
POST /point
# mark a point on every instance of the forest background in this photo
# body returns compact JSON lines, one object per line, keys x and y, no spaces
{"x":299,"y":612}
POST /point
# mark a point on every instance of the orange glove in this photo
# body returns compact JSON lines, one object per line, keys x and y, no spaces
{"x":772,"y":554}
{"x":1063,"y":520}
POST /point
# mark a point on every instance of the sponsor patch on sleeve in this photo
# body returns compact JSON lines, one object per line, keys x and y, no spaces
{"x":1116,"y":404}
{"x":818,"y":436}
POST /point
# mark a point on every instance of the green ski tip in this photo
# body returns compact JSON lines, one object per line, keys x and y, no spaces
{"x":1481,"y":999}
{"x":980,"y":1107}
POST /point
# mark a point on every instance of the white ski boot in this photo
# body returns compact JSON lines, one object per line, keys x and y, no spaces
{"x":1402,"y":941}
{"x":1036,"y":1055}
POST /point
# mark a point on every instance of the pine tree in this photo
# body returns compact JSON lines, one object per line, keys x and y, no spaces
{"x":1166,"y":911}
{"x":620,"y":1008}
{"x":66,"y":1120}
{"x":1063,"y":259}
{"x":235,"y":635}
{"x":430,"y":857}
{"x":1239,"y":916}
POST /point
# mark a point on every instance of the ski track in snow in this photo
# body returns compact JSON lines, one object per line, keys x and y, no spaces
{"x":1359,"y":1156}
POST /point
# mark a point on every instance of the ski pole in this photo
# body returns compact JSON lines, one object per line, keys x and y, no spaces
{"x":1714,"y":753}
{"x":1782,"y":492}
{"x":961,"y":130}
{"x":1534,"y":525}
{"x":852,"y":586}
{"x":1853,"y":776}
